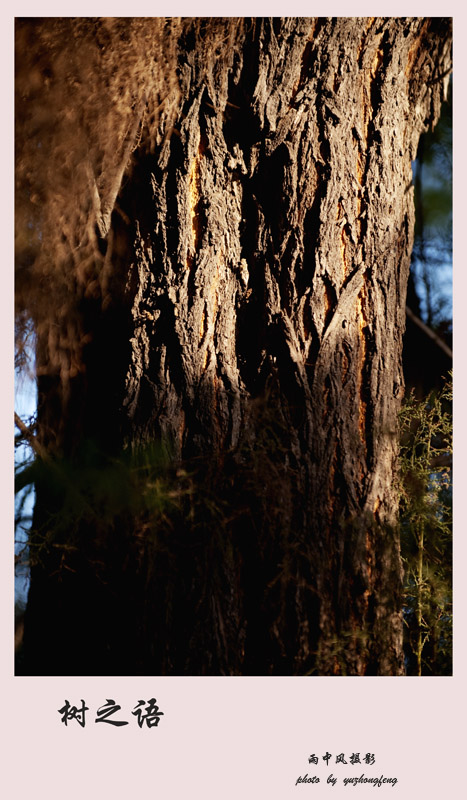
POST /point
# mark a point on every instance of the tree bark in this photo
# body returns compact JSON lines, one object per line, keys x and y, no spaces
{"x":251,"y":322}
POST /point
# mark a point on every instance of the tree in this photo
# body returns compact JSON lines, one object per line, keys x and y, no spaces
{"x":215,"y":221}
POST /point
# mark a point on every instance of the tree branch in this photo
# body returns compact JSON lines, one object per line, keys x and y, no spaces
{"x":428,"y":331}
{"x":33,"y":441}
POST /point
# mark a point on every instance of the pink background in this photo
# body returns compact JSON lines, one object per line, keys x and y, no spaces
{"x":228,"y":737}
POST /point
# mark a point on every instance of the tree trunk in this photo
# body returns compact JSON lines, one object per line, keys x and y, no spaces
{"x":251,"y":323}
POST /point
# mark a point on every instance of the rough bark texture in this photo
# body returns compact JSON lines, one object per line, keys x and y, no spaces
{"x":260,"y":257}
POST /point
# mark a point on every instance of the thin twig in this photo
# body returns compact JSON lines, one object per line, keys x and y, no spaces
{"x":27,"y":433}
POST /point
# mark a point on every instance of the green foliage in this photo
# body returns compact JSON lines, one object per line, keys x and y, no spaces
{"x":426,"y":532}
{"x":94,"y":490}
